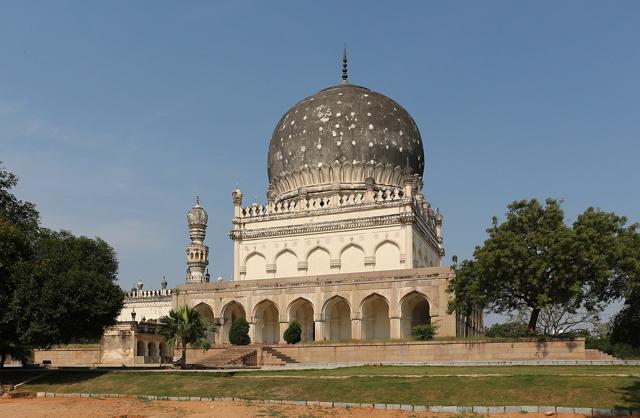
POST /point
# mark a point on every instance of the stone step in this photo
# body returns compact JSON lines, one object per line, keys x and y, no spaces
{"x":277,"y":354}
{"x":232,"y":355}
{"x":593,"y":354}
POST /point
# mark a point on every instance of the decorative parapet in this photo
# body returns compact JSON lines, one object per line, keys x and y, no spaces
{"x":304,"y":205}
{"x":148,"y":294}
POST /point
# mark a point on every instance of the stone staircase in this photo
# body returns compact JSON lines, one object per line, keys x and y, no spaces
{"x":232,"y":356}
{"x":273,"y":357}
{"x":597,"y":355}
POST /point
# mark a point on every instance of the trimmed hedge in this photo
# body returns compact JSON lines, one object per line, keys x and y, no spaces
{"x":424,"y":332}
{"x":293,"y":333}
{"x":239,"y":332}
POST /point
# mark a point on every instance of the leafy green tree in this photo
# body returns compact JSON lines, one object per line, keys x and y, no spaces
{"x":513,"y":329}
{"x":625,"y":326}
{"x":533,"y":260}
{"x":55,"y":288}
{"x":68,"y":291}
{"x":15,"y":211}
{"x":239,"y":332}
{"x":185,"y":327}
{"x":424,"y":332}
{"x":293,"y":333}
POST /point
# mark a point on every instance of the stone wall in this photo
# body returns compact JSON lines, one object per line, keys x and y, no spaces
{"x":366,"y":305}
{"x":414,"y":352}
{"x":68,"y":356}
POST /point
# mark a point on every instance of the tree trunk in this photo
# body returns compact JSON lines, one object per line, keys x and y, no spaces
{"x":184,"y":356}
{"x":3,"y":359}
{"x":533,"y":320}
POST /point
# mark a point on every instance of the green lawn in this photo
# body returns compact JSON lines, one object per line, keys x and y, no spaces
{"x":453,"y":370}
{"x":587,"y":386}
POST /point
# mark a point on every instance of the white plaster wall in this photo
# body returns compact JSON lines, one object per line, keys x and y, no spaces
{"x":315,"y":254}
{"x":149,"y":309}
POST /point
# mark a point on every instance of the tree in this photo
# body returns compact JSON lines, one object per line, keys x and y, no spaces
{"x":293,"y":333}
{"x":533,"y":260}
{"x":55,"y":288}
{"x":625,"y":326}
{"x":239,"y":332}
{"x":511,"y":329}
{"x":184,"y":327}
{"x":68,"y":291}
{"x":558,"y":320}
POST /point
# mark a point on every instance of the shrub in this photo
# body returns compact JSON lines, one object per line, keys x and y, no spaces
{"x":424,"y":332}
{"x":507,"y":330}
{"x":239,"y":332}
{"x":625,"y":326}
{"x":619,"y":350}
{"x":293,"y":333}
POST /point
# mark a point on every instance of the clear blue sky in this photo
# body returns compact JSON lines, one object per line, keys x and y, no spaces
{"x":114,"y":114}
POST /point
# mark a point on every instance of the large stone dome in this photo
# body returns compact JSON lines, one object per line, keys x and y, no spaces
{"x":339,"y":137}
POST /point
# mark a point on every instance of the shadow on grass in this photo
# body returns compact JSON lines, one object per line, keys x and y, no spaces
{"x":67,"y":377}
{"x":631,"y":396}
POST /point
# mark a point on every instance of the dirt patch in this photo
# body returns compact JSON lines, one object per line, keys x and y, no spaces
{"x":138,"y":408}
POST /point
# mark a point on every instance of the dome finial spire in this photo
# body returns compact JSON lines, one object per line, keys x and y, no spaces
{"x":345,"y":69}
{"x":197,"y":198}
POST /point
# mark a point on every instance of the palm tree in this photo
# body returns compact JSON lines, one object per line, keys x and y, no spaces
{"x":183,"y":327}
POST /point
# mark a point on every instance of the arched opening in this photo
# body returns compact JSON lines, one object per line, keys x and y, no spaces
{"x":207,"y":313}
{"x":387,"y":256}
{"x":153,"y":349}
{"x":266,"y":323}
{"x":141,"y":349}
{"x":352,"y":259}
{"x":414,"y":311}
{"x":301,"y":310}
{"x":337,"y":319}
{"x":164,"y":350}
{"x":375,"y":318}
{"x":256,"y":267}
{"x":318,"y":262}
{"x":286,"y":264}
{"x":231,"y":313}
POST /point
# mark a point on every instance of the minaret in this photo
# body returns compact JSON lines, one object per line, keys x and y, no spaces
{"x":197,"y":252}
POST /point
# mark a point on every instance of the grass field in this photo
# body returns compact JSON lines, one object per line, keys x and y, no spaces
{"x":585,"y":386}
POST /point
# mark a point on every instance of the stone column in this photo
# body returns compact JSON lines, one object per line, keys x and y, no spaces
{"x":319,"y":330}
{"x":356,"y":329}
{"x":283,"y":328}
{"x":369,"y":263}
{"x":394,"y":327}
{"x":252,"y":332}
{"x":335,"y":265}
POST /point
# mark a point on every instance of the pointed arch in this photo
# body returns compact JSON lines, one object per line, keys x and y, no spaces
{"x":207,"y":313}
{"x":352,"y":259}
{"x":387,"y":255}
{"x":336,"y":313}
{"x":301,"y":310}
{"x":375,"y":317}
{"x":230,"y":313}
{"x":414,"y":310}
{"x":318,"y":261}
{"x":255,"y":266}
{"x":286,"y":263}
{"x":266,"y":320}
